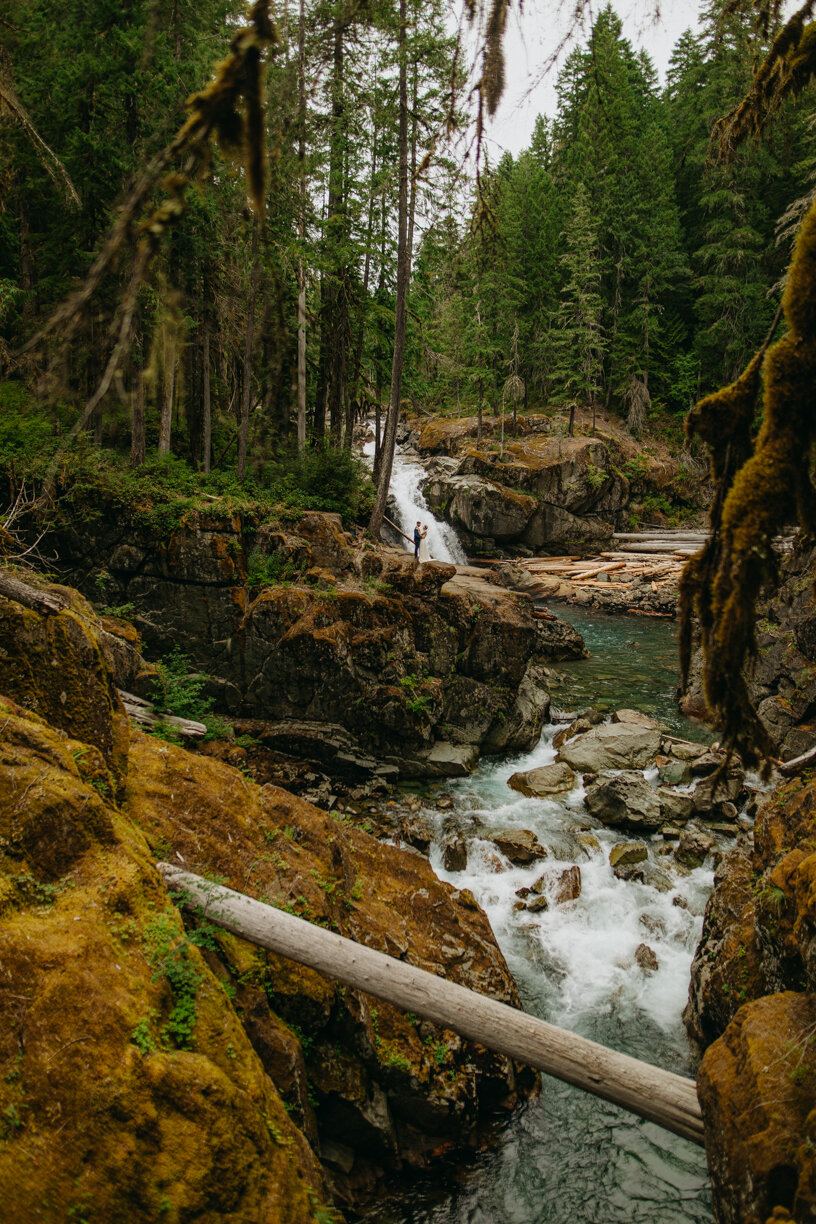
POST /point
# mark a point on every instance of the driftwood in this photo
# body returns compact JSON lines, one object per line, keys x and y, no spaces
{"x":650,"y":1092}
{"x":142,"y":712}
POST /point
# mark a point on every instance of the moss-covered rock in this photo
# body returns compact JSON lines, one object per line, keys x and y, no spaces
{"x":128,"y":1086}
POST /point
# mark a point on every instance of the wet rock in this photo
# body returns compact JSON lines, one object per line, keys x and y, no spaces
{"x":625,"y":800}
{"x":444,"y":802}
{"x":611,"y":746}
{"x":538,"y":905}
{"x":674,"y":772}
{"x":711,"y":792}
{"x":674,"y":806}
{"x":588,"y":841}
{"x":575,"y":728}
{"x":653,"y":924}
{"x":695,"y":847}
{"x":646,"y":958}
{"x":547,"y":780}
{"x":680,"y":902}
{"x":685,"y":750}
{"x":454,"y":854}
{"x":727,"y":965}
{"x":707,"y":763}
{"x":569,"y":886}
{"x":630,"y":873}
{"x":520,"y":846}
{"x":627,"y":853}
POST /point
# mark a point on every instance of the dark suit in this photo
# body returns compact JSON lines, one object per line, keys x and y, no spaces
{"x":417,"y":538}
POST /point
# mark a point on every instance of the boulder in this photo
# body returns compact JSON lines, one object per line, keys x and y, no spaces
{"x":630,"y":872}
{"x":646,"y":959}
{"x":625,"y":800}
{"x":454,"y":854}
{"x":685,"y":750}
{"x":547,"y":780}
{"x":520,"y":846}
{"x":695,"y":847}
{"x":627,"y":853}
{"x":611,"y":746}
{"x":674,"y":773}
{"x":568,"y":887}
{"x":673,"y":805}
{"x":538,"y":905}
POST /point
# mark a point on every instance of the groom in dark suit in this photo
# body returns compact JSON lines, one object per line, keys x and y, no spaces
{"x":417,"y":539}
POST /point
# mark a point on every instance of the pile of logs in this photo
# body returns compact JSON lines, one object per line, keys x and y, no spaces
{"x":611,"y":567}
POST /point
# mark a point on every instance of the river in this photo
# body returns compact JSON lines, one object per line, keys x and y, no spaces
{"x":570,"y":1158}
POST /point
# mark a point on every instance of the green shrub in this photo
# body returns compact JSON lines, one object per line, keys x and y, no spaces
{"x":180,"y":691}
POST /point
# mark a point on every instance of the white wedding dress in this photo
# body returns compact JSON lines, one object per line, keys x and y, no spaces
{"x":424,"y":554}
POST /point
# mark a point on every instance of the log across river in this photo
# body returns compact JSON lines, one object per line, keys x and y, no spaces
{"x":660,"y":1096}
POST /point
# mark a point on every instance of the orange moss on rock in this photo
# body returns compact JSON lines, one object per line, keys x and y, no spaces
{"x":271,"y":845}
{"x":110,"y":1109}
{"x":54,"y":665}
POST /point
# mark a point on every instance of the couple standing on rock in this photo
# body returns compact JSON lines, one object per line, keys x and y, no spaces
{"x":421,"y":543}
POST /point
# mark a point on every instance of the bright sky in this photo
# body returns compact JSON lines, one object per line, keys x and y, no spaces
{"x":534,"y":36}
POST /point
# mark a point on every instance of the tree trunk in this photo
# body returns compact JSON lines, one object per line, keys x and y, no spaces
{"x":206,"y":394}
{"x":403,"y":273}
{"x":663,"y":1097}
{"x":137,"y":413}
{"x":243,"y":430}
{"x":168,"y":392}
{"x":301,"y":307}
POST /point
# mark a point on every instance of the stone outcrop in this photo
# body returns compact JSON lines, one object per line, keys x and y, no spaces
{"x":145,"y":1063}
{"x":542,"y":493}
{"x":782,"y":679}
{"x":420,"y":667}
{"x":751,"y":1003}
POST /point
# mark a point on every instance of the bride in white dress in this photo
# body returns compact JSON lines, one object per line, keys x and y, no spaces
{"x":424,"y":554}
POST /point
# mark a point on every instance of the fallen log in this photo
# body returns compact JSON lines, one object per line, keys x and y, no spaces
{"x":650,"y":1092}
{"x":790,"y":768}
{"x":143,"y":713}
{"x":30,"y":596}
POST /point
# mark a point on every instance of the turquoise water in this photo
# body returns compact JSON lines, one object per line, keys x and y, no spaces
{"x":570,"y":1158}
{"x":633,"y":663}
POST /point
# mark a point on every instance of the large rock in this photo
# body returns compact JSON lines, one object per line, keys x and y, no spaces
{"x":625,"y":800}
{"x":139,"y":1030}
{"x":542,"y":782}
{"x":727,"y":967}
{"x":611,"y":746}
{"x":520,"y":846}
{"x":543,"y":492}
{"x":756,"y":1090}
{"x":417,"y":665}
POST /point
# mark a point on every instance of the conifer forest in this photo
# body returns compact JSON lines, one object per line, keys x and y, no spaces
{"x":407,"y":618}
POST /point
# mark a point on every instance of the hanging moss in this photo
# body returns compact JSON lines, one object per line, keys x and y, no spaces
{"x":758,"y":495}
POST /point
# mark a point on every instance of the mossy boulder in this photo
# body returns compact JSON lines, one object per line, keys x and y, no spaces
{"x":128,"y":1085}
{"x":54,"y":664}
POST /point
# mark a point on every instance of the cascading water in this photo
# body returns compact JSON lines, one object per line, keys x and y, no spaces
{"x":569,"y":1158}
{"x":406,"y":490}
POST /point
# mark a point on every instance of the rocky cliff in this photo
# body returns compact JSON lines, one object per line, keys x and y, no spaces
{"x":155,"y":1070}
{"x":544,"y":492}
{"x":336,"y":648}
{"x":752,"y":1005}
{"x":782,"y":676}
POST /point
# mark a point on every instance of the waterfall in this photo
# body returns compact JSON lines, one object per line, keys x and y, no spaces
{"x":406,"y":490}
